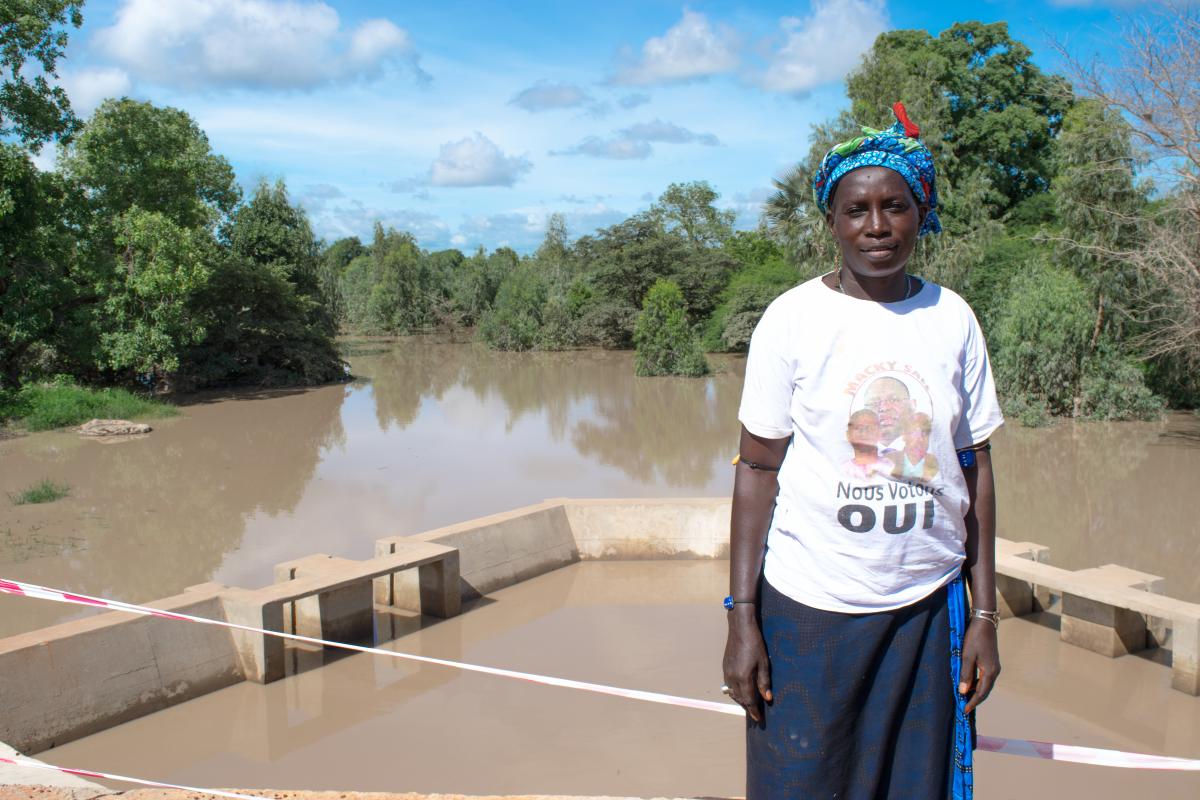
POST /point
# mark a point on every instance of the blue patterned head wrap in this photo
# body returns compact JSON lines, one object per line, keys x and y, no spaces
{"x":896,"y":148}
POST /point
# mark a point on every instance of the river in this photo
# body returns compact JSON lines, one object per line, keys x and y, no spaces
{"x":436,"y":432}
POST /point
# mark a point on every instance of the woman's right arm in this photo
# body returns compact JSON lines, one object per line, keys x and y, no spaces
{"x":747,"y":670}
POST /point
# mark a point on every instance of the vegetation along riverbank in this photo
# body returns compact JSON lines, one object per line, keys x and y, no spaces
{"x":136,"y":262}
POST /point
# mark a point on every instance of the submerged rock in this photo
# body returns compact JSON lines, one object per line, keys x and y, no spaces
{"x":112,"y":427}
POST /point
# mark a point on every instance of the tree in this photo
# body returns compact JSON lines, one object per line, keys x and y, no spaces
{"x":513,"y":323}
{"x":987,"y":112}
{"x":333,"y":262}
{"x":45,"y":289}
{"x":1155,"y":87}
{"x":687,"y":208}
{"x":157,"y":159}
{"x":32,"y":31}
{"x":1101,"y":210}
{"x":665,"y":342}
{"x":151,"y":318}
{"x":267,"y":319}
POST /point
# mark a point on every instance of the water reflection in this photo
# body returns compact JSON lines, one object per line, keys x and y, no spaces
{"x":671,"y":431}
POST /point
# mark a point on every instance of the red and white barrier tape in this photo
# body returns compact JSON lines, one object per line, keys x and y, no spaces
{"x":1017,"y":747}
{"x":20,"y":761}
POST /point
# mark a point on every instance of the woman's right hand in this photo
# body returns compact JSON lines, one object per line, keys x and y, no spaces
{"x":746,"y":666}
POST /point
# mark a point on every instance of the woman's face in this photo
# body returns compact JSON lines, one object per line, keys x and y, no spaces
{"x":875,"y":219}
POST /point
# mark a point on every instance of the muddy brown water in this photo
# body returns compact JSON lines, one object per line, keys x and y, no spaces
{"x":372,"y":723}
{"x":437,"y":433}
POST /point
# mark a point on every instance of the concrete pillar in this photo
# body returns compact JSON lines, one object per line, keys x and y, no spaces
{"x":1185,"y":655}
{"x":440,"y":594}
{"x":1016,"y":597}
{"x":260,"y":657}
{"x":1103,"y":628}
{"x":432,"y":589}
{"x":340,"y":615}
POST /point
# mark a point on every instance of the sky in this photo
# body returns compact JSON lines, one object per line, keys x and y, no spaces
{"x":469,"y":123}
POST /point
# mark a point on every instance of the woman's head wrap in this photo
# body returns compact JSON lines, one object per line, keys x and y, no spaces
{"x":897,"y":148}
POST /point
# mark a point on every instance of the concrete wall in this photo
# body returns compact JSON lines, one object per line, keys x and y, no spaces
{"x":503,"y":549}
{"x":68,"y":681}
{"x":649,"y":529}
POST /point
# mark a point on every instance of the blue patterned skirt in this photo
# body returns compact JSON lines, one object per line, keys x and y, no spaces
{"x":865,"y":705}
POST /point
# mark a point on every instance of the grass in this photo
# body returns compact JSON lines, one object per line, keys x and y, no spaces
{"x":46,"y":491}
{"x":41,"y":407}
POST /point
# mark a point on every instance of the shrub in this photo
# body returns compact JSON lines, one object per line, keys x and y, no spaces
{"x":515,"y":320}
{"x":1045,"y":362}
{"x":1114,"y":388}
{"x":1041,"y":337}
{"x":665,"y":342}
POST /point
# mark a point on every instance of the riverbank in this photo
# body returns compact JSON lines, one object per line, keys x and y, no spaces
{"x":42,"y":407}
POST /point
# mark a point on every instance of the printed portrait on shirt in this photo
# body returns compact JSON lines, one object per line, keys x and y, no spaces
{"x":888,"y":429}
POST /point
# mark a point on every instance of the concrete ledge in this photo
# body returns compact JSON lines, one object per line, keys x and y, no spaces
{"x":650,"y":529}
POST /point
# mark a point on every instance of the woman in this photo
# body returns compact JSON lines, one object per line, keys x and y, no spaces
{"x":847,"y":611}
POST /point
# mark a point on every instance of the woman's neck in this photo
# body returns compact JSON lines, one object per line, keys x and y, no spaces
{"x":887,"y":289}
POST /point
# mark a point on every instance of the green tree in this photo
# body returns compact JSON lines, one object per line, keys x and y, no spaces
{"x":514,"y":321}
{"x":333,"y":262}
{"x":763,"y":273}
{"x":665,"y":342}
{"x":475,"y":282}
{"x":267,"y":318}
{"x":1101,"y":209}
{"x":33,"y":31}
{"x":987,"y":112}
{"x":151,"y":316}
{"x":688,"y":208}
{"x":1040,"y":339}
{"x":157,"y":159}
{"x":45,"y":289}
{"x":399,"y":301}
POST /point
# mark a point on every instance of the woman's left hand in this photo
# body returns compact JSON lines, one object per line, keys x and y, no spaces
{"x":980,"y":662}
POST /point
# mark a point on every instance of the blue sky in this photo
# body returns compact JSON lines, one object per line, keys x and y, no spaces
{"x":468,"y":123}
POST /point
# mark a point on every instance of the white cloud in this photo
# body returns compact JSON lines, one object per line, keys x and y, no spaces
{"x":523,"y":229}
{"x":659,"y":131}
{"x":634,"y":100}
{"x":317,"y":196}
{"x":690,"y":49}
{"x":357,"y":219}
{"x":822,"y":47}
{"x":324,"y":191}
{"x":266,"y":44}
{"x":543,"y":96}
{"x":476,"y":161}
{"x":634,"y":142}
{"x":89,"y":87}
{"x":617,"y":147}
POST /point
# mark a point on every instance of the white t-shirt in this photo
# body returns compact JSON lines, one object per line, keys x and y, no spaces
{"x":864,"y":388}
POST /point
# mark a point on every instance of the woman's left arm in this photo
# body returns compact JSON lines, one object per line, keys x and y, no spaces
{"x":981,"y":651}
